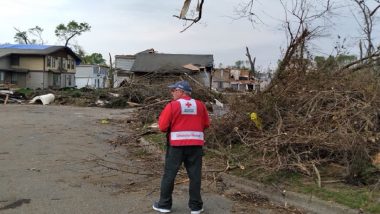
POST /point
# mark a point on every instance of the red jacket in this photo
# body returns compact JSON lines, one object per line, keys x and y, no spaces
{"x":186,"y":119}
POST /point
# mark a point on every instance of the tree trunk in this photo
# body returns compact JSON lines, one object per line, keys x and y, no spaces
{"x":110,"y":73}
{"x":252,"y":63}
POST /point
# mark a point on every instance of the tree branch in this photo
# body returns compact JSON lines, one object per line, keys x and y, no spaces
{"x":194,"y":20}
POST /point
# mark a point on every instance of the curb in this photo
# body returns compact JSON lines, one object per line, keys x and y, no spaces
{"x":310,"y":204}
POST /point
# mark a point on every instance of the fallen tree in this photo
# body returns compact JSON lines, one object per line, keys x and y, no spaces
{"x":314,"y":120}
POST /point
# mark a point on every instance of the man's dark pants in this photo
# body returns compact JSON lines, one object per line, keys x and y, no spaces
{"x":191,"y":156}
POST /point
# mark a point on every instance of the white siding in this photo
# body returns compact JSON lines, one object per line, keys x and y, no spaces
{"x":82,"y":82}
{"x":84,"y":71}
{"x":124,"y":64}
{"x":93,"y":76}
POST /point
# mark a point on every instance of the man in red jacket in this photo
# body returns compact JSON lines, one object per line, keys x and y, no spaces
{"x":184,"y":120}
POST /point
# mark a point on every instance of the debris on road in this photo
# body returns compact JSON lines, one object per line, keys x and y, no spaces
{"x":6,"y":94}
{"x":43,"y":99}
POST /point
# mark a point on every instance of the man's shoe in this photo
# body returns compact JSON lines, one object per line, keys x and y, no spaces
{"x":161,"y":210}
{"x":196,"y":211}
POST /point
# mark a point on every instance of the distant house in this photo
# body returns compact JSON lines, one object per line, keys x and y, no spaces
{"x":37,"y":66}
{"x":152,"y":66}
{"x":92,"y":76}
{"x":242,"y":81}
{"x":221,"y":79}
{"x":238,"y":79}
{"x":123,"y":65}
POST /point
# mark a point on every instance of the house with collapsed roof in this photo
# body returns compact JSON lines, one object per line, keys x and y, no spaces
{"x":37,"y":66}
{"x":150,"y":66}
{"x":236,"y":79}
{"x":123,"y":66}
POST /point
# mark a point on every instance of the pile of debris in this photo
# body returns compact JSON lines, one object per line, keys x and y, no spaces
{"x":313,"y":120}
{"x":134,"y":95}
{"x":157,"y":95}
{"x":9,"y":96}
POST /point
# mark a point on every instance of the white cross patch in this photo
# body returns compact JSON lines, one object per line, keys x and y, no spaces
{"x":188,"y":107}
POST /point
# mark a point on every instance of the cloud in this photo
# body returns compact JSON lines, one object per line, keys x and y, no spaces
{"x":130,"y":26}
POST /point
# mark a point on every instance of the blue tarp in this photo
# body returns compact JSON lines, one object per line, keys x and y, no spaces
{"x":25,"y":46}
{"x":38,"y":49}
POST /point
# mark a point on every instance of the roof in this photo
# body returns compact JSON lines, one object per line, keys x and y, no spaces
{"x":27,"y":49}
{"x":169,"y":63}
{"x":93,"y":65}
{"x":243,"y":82}
{"x":125,"y":56}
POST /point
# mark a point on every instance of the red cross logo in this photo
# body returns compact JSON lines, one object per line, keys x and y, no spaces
{"x":188,"y":105}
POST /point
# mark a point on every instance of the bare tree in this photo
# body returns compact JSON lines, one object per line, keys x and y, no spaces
{"x":111,"y":73}
{"x":246,"y":10}
{"x":299,"y":25}
{"x":21,"y":37}
{"x":251,"y":62}
{"x":367,"y":23}
{"x":37,"y":32}
{"x":184,"y":13}
{"x":26,"y":37}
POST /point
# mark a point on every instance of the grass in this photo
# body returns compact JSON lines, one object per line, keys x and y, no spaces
{"x":26,"y":91}
{"x":71,"y":92}
{"x":157,"y":139}
{"x":353,"y":197}
{"x":141,"y":153}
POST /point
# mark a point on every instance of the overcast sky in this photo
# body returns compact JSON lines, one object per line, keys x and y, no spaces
{"x":130,"y":26}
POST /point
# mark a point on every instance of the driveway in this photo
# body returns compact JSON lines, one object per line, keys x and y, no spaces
{"x":56,"y":159}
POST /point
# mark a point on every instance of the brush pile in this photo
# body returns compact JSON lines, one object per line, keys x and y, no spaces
{"x":307,"y":122}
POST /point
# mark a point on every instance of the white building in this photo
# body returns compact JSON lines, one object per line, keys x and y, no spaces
{"x":92,"y":76}
{"x":123,"y":65}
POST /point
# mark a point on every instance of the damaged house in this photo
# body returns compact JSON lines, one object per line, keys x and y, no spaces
{"x":152,"y":67}
{"x":237,"y":79}
{"x":37,"y":66}
{"x":123,"y":65}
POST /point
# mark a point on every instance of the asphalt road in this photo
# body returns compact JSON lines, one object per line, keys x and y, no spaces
{"x":56,"y":159}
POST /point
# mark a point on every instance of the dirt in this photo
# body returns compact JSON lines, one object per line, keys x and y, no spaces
{"x":58,"y":159}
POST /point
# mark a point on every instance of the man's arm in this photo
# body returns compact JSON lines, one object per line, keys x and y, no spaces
{"x":206,"y":118}
{"x":165,"y":118}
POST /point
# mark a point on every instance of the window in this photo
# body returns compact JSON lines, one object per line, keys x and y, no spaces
{"x":56,"y":79}
{"x":14,"y":79}
{"x":72,"y":64}
{"x":64,"y":63}
{"x":97,"y":83}
{"x":53,"y":62}
{"x":69,"y":80}
{"x":48,"y":61}
{"x":2,"y":77}
{"x":15,"y":60}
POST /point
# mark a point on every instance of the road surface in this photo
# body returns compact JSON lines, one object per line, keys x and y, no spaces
{"x":56,"y":159}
